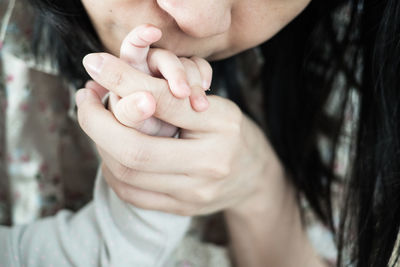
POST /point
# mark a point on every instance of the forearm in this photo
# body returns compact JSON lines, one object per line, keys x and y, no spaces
{"x":267,"y":231}
{"x":107,"y":232}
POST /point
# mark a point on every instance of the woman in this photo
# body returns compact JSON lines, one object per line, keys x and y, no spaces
{"x":256,"y":188}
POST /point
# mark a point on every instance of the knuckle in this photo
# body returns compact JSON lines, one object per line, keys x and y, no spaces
{"x":124,"y":114}
{"x":162,"y":55}
{"x":162,"y":92}
{"x":229,"y":113}
{"x":224,"y":170}
{"x":204,"y":65}
{"x":181,"y":72}
{"x":164,"y":88}
{"x":134,"y":156}
{"x":169,"y":54}
{"x":204,"y":195}
{"x":198,"y":59}
{"x":129,"y":196}
{"x":115,"y":79}
{"x":187,"y":63}
{"x":219,"y":171}
{"x":139,"y":203}
{"x":184,"y":60}
{"x":121,"y":172}
{"x":233,"y":128}
{"x":166,"y":103}
{"x":189,"y":212}
{"x":235,"y":112}
{"x":183,"y":211}
{"x":124,"y":194}
{"x":202,"y":62}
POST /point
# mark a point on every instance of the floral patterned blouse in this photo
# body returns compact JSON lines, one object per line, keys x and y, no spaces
{"x":48,"y":164}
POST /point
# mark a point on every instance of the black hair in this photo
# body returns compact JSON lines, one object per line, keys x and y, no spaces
{"x":63,"y":32}
{"x":371,"y":210}
{"x":302,"y":63}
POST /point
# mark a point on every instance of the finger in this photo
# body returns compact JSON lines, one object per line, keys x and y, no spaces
{"x":100,"y":90}
{"x":175,"y":185}
{"x":198,"y":98}
{"x":155,"y":127}
{"x":113,"y":100}
{"x":135,"y":48}
{"x":134,"y":109}
{"x":113,"y":73}
{"x":170,"y":67}
{"x":136,"y":45}
{"x":205,"y":71}
{"x":132,"y":148}
{"x":145,"y":199}
{"x":117,"y":76}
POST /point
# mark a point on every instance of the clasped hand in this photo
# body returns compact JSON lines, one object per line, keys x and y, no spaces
{"x":222,"y":159}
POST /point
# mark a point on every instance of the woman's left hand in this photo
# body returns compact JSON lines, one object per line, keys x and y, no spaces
{"x":221,"y":161}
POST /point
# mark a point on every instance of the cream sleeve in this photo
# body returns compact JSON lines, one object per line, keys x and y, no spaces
{"x":106,"y":232}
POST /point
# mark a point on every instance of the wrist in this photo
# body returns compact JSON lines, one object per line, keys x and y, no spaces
{"x":270,"y":185}
{"x":264,"y":172}
{"x":266,"y":229}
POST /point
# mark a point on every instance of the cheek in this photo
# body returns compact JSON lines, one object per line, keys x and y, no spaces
{"x":96,"y":9}
{"x":113,"y":19}
{"x":259,"y":20}
{"x":199,"y":18}
{"x":99,"y":13}
{"x":103,"y":15}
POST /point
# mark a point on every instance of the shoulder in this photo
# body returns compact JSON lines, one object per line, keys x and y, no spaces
{"x":17,"y":30}
{"x":16,"y":27}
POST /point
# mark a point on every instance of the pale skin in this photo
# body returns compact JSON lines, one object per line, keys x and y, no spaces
{"x":222,"y":160}
{"x":184,"y":78}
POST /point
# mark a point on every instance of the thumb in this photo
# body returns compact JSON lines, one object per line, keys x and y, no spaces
{"x":135,"y":47}
{"x":89,"y":103}
{"x":134,"y":109}
{"x":97,"y":88}
{"x":87,"y":96}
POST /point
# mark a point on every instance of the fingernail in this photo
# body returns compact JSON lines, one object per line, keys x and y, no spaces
{"x":185,"y":89}
{"x":206,"y":85}
{"x":93,"y":63}
{"x":142,"y":105}
{"x":150,"y":31}
{"x":202,"y":102}
{"x":80,"y":97}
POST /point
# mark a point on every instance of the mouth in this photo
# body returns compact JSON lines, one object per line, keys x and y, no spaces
{"x":174,"y":49}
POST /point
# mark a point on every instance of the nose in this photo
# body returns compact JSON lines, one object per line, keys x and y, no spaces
{"x":199,"y":18}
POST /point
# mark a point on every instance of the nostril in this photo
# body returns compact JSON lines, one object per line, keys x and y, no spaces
{"x":203,"y":26}
{"x":167,"y":4}
{"x":197,"y":18}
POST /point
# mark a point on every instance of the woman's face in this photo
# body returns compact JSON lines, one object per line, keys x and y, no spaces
{"x":212,"y":29}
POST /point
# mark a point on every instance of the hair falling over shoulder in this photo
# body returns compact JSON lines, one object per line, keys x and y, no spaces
{"x":367,"y":54}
